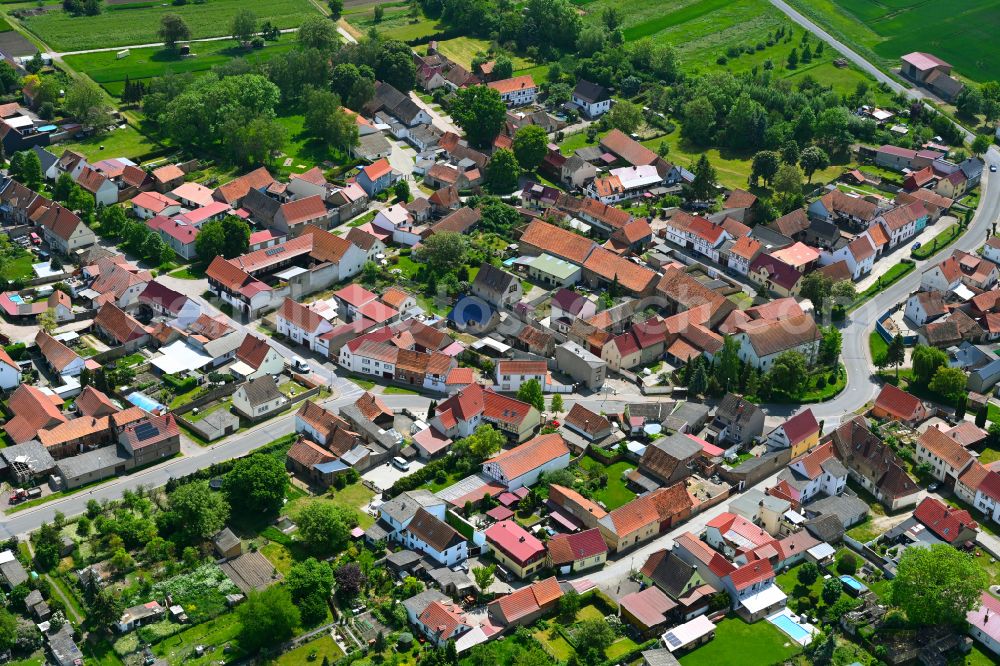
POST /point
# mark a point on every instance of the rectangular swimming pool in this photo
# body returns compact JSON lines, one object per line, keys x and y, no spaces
{"x":145,"y":402}
{"x":857,"y":587}
{"x":797,"y":632}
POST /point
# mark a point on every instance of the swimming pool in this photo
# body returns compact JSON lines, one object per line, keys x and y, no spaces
{"x":145,"y":402}
{"x":856,"y":585}
{"x":798,"y":632}
{"x":15,"y":298}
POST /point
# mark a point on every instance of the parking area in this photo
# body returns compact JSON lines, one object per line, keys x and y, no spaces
{"x":383,"y":476}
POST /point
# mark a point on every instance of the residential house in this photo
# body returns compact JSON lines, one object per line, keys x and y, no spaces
{"x":578,"y":551}
{"x":497,"y":287}
{"x":947,"y":459}
{"x":63,"y":230}
{"x":858,"y":254}
{"x":150,"y":204}
{"x":516,"y":91}
{"x":904,"y":222}
{"x":302,"y":324}
{"x":258,"y":358}
{"x":516,"y":549}
{"x":583,"y":366}
{"x":525,"y":605}
{"x":744,"y":251}
{"x":760,"y":345}
{"x":167,"y":178}
{"x":774,"y":275}
{"x":897,"y":405}
{"x":737,"y":422}
{"x":873,"y":465}
{"x":800,"y":433}
{"x":960,"y":268}
{"x":522,"y":465}
{"x":840,"y":208}
{"x":670,"y":458}
{"x":810,"y":474}
{"x":592,"y":99}
{"x":462,"y":413}
{"x":259,"y":399}
{"x":696,"y":233}
{"x":924,"y":307}
{"x":376,"y":177}
{"x":680,"y":581}
{"x":153,"y":438}
{"x":60,"y":358}
{"x":116,"y":327}
{"x":104,"y":190}
{"x":435,"y":538}
{"x":511,"y":375}
{"x":980,"y":627}
{"x":753,"y":592}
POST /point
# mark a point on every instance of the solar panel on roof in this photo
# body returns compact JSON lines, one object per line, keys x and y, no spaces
{"x":144,"y":431}
{"x":673,"y":640}
{"x":273,"y":251}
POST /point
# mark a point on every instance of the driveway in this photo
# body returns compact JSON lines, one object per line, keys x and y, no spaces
{"x":386,"y":474}
{"x":438,"y":119}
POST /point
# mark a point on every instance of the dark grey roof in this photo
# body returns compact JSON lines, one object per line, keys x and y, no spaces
{"x":824,"y":230}
{"x":659,"y":657}
{"x":971,"y":167}
{"x":671,"y":574}
{"x":590,"y":92}
{"x":433,"y":531}
{"x":692,"y":413}
{"x":418,"y":602}
{"x":13,"y":573}
{"x":104,"y":458}
{"x":844,"y":507}
{"x":402,"y":507}
{"x":261,"y":390}
{"x":48,"y":159}
{"x":403,"y":558}
{"x":493,"y":279}
{"x":445,"y":577}
{"x":680,"y":447}
{"x":771,"y":239}
{"x":225,"y":539}
{"x":386,"y":97}
{"x":826,"y":528}
{"x":63,"y":648}
{"x":589,"y":153}
{"x":31,"y":453}
{"x":260,"y":206}
{"x":734,"y":409}
{"x":368,"y":430}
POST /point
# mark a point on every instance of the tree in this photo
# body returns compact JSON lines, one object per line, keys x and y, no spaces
{"x":318,"y":32}
{"x":530,"y":146}
{"x":228,"y":237}
{"x":503,"y":171}
{"x":267,"y":618}
{"x":9,"y":78}
{"x":981,"y":144}
{"x":444,"y":252}
{"x":612,"y":18}
{"x":503,"y":67}
{"x":829,"y":346}
{"x":833,"y":129}
{"x":816,"y":287}
{"x":257,"y":484}
{"x":699,"y":121}
{"x":813,"y":159}
{"x":808,"y":573}
{"x":556,"y":404}
{"x":844,"y":293}
{"x":173,"y":29}
{"x":336,"y":8}
{"x":26,"y":168}
{"x":699,"y":380}
{"x":789,"y":372}
{"x":349,"y":579}
{"x":832,"y":589}
{"x":87,"y":103}
{"x":121,"y":561}
{"x":8,"y":630}
{"x":47,"y":320}
{"x":106,"y":607}
{"x":847,"y":563}
{"x":729,"y":363}
{"x":244,"y":26}
{"x":531,"y":393}
{"x":47,"y":546}
{"x":926,"y":360}
{"x":552,"y":23}
{"x":394,"y":65}
{"x":309,"y":583}
{"x":323,"y":529}
{"x":949,"y":382}
{"x":326,"y":120}
{"x":485,"y":441}
{"x":895,"y":355}
{"x":625,"y":116}
{"x":937,"y":585}
{"x":788,"y":180}
{"x":790,"y":152}
{"x":484,"y":576}
{"x":793,"y":58}
{"x":200,"y":511}
{"x":481,"y":112}
{"x":703,"y":185}
{"x":592,"y":638}
{"x":746,"y":123}
{"x":569,"y":606}
{"x":377,"y":14}
{"x":764,"y":166}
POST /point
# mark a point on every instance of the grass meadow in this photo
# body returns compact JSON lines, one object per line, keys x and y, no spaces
{"x":125,"y":25}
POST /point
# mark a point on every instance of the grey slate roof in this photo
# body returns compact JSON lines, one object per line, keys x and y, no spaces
{"x":590,"y":92}
{"x":106,"y":457}
{"x":31,"y":453}
{"x":402,"y":507}
{"x":13,"y":573}
{"x":418,"y":602}
{"x":261,"y":390}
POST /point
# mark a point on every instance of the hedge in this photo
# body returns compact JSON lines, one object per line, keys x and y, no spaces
{"x":180,"y":386}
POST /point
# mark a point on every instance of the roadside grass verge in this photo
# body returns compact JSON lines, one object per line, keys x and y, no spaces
{"x":938,"y":243}
{"x":893,"y":275}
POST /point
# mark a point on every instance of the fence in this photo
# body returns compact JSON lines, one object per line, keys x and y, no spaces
{"x":908,"y":340}
{"x":870,"y":556}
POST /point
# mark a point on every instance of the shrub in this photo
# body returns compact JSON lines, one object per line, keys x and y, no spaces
{"x":847,"y":563}
{"x":721,"y":60}
{"x":803,"y":604}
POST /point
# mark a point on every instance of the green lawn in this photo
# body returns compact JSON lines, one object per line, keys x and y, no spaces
{"x":317,"y":650}
{"x":217,"y":632}
{"x":864,"y":532}
{"x":958,"y":33}
{"x":554,"y":644}
{"x":19,"y":268}
{"x":290,"y":388}
{"x":124,"y":27}
{"x":616,"y":493}
{"x":938,"y":243}
{"x":877,"y":345}
{"x":363,"y":383}
{"x":894,"y":274}
{"x":737,"y":642}
{"x":127,"y":142}
{"x":398,"y":390}
{"x":110,"y":71}
{"x":396,"y":22}
{"x":352,"y":497}
{"x":789,"y":580}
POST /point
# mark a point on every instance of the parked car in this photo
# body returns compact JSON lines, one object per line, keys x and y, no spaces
{"x":993,"y":168}
{"x":401,"y":464}
{"x":915,"y":246}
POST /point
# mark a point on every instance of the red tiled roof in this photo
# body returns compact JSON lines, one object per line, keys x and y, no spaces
{"x":118,"y":324}
{"x":897,"y":402}
{"x":515,"y":541}
{"x":944,"y":447}
{"x":529,"y":456}
{"x":750,"y":573}
{"x":946,"y":522}
{"x":558,"y":242}
{"x":513,"y":84}
{"x":800,"y":426}
{"x":567,"y":548}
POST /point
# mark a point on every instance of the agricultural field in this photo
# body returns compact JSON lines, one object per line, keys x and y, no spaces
{"x":962,"y":33}
{"x":137,"y":23}
{"x":396,"y":23}
{"x":107,"y":69}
